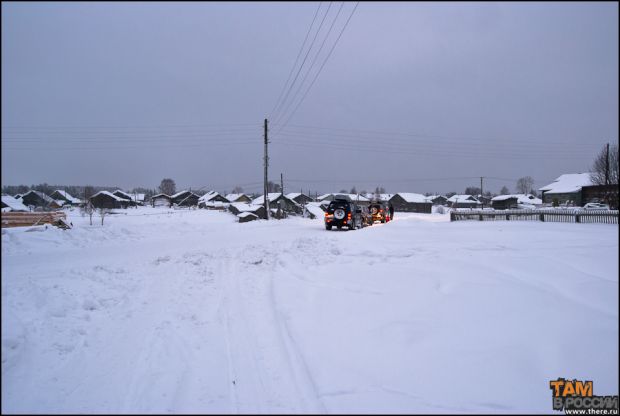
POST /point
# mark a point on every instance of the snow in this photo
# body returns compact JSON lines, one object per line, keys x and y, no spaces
{"x":178,"y":194}
{"x":246,"y":214}
{"x":409,"y":197}
{"x":46,"y":198}
{"x":14,"y":204}
{"x":243,"y":207}
{"x":568,"y":183}
{"x":191,"y":312}
{"x":315,"y":209}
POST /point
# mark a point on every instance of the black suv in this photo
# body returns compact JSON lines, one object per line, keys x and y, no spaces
{"x":343,"y":212}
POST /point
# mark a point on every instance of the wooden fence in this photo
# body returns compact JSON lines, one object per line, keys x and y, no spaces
{"x":545,"y":215}
{"x":26,"y":219}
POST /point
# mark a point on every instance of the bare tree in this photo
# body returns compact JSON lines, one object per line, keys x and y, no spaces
{"x":237,"y":190}
{"x":472,"y":190}
{"x":606,"y":172}
{"x":353,"y":190}
{"x":102,"y":213}
{"x":525,"y":185}
{"x":168,"y":187}
{"x":88,"y":209}
{"x":504,"y":191}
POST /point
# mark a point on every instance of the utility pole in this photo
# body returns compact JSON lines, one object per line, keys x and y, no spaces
{"x":607,"y":166}
{"x":281,"y":184}
{"x":266,"y":199}
{"x":481,"y":193}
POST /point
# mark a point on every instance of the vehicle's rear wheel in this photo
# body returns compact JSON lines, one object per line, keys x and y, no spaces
{"x":352,"y":225}
{"x":328,"y":227}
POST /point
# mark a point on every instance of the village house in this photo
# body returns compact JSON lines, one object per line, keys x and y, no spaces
{"x":247,"y":217}
{"x":238,"y":198}
{"x":60,"y":195}
{"x":185,"y":199}
{"x":161,"y":200}
{"x":437,"y":200}
{"x":357,"y":198}
{"x":212,"y":200}
{"x":410,"y":202}
{"x":463,"y":201}
{"x":300,"y":198}
{"x":515,"y":201}
{"x":278,"y":200}
{"x":37,"y":199}
{"x":566,"y":189}
{"x":607,"y":194}
{"x":105,"y":199}
{"x":240,"y":207}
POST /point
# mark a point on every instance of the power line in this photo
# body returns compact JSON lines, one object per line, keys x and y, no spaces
{"x":296,"y":59}
{"x":304,"y":60}
{"x":303,"y":81}
{"x":321,"y":68}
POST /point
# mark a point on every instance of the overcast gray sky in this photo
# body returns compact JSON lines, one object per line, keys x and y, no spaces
{"x":415,"y":97}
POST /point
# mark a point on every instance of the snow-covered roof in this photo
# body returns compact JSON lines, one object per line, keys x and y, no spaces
{"x":353,"y":197}
{"x":111,"y":195}
{"x":271,"y":195}
{"x":568,"y":183}
{"x":246,"y":214}
{"x":208,"y":196}
{"x":409,"y":197}
{"x":160,"y":196}
{"x":14,"y":204}
{"x":123,"y":194}
{"x":243,"y":207}
{"x":380,"y":197}
{"x":234,"y":197}
{"x":521,"y":198}
{"x":315,"y":209}
{"x":178,"y":194}
{"x":67,"y":196}
{"x":46,"y":198}
{"x":463,"y":198}
{"x":215,"y":204}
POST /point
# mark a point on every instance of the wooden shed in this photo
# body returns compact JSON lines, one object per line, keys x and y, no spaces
{"x":247,"y":217}
{"x":238,"y":208}
{"x":38,"y":199}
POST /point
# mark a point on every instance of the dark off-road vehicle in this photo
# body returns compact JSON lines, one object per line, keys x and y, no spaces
{"x":344,"y":212}
{"x":379,"y":211}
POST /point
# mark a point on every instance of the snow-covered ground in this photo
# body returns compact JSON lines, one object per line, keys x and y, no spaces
{"x":193,"y":312}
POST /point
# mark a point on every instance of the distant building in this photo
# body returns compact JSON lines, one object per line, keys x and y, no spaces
{"x":238,"y":198}
{"x":515,"y":201}
{"x":212,"y":199}
{"x":185,"y":199}
{"x":105,"y":199}
{"x":247,"y":217}
{"x":360,"y":199}
{"x":607,"y":194}
{"x":410,"y":202}
{"x":437,"y":199}
{"x":161,"y":200}
{"x":463,"y":201}
{"x":566,"y":189}
{"x":240,"y":207}
{"x":300,"y":198}
{"x":277,"y":200}
{"x":61,"y":195}
{"x":38,"y":199}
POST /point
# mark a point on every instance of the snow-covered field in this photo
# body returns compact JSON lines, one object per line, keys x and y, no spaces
{"x":193,"y":312}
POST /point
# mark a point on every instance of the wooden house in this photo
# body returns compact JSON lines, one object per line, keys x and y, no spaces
{"x":239,"y":207}
{"x":38,"y":199}
{"x":464,"y":201}
{"x":300,"y":198}
{"x":212,"y":199}
{"x":411,"y":202}
{"x":185,"y":199}
{"x":60,"y":195}
{"x":566,"y":189}
{"x":278,"y":200}
{"x":238,"y":198}
{"x":247,"y":217}
{"x":105,"y":199}
{"x":161,"y":200}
